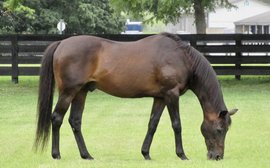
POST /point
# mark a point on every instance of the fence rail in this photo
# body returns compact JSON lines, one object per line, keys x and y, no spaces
{"x":230,"y":54}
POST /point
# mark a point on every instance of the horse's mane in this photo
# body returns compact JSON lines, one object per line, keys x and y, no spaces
{"x":171,"y":36}
{"x":203,"y":74}
{"x":199,"y":64}
{"x":175,"y":38}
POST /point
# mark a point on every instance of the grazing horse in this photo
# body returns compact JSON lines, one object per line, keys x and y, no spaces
{"x":160,"y":66}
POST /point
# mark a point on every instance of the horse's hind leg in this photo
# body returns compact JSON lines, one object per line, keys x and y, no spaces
{"x":64,"y":100}
{"x":157,"y":109}
{"x":75,"y":119}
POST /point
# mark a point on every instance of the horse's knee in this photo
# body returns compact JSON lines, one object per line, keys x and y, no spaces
{"x":57,"y":120}
{"x":75,"y":124}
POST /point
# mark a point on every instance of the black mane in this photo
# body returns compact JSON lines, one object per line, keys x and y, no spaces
{"x":172,"y":36}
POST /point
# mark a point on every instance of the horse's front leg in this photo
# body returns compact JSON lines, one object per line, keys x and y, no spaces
{"x":75,"y":120}
{"x":172,"y":102}
{"x":157,"y":109}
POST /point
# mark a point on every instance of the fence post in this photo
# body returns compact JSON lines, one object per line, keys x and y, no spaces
{"x":193,"y":42}
{"x":14,"y":60}
{"x":238,"y":54}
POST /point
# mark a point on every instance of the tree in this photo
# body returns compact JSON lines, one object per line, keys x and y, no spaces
{"x":81,"y":16}
{"x":171,"y":10}
{"x":9,"y":11}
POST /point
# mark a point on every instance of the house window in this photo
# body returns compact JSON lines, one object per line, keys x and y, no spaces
{"x":266,"y":29}
{"x":253,"y":29}
{"x":259,"y":29}
{"x":246,"y":29}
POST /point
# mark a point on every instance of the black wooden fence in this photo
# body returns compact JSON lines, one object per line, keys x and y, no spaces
{"x":229,"y":54}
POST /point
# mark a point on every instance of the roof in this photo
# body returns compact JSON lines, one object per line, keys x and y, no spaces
{"x":260,"y":19}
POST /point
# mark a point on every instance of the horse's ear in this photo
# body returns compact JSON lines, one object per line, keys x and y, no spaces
{"x":233,"y":111}
{"x":222,"y":114}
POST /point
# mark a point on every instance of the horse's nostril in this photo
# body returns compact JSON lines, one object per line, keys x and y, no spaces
{"x":218,"y":157}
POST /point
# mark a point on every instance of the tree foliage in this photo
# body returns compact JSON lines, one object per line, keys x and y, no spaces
{"x":170,"y":10}
{"x":81,"y":17}
{"x":8,"y":9}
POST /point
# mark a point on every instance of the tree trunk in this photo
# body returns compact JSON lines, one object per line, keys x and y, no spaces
{"x":199,"y":17}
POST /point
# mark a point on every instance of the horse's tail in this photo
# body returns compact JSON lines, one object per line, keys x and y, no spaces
{"x":45,"y":97}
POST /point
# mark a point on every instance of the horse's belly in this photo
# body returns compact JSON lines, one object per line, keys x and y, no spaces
{"x":128,"y":88}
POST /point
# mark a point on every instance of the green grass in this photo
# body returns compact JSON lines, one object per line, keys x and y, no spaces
{"x":114,"y":129}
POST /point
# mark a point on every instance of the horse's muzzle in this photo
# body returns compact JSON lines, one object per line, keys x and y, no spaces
{"x":214,"y":156}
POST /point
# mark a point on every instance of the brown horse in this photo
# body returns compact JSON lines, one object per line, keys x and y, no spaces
{"x":160,"y":66}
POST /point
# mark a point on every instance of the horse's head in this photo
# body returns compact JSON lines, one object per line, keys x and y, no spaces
{"x":214,"y":131}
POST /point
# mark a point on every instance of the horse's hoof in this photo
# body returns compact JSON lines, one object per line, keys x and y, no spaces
{"x":182,"y":156}
{"x":56,"y":156}
{"x":146,"y":155}
{"x":87,"y":157}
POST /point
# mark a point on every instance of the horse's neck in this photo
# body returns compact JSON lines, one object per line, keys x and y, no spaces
{"x":206,"y":87}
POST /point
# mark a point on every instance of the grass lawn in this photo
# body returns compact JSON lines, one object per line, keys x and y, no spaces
{"x":114,"y":129}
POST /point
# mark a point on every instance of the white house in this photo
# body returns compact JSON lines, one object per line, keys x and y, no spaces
{"x":223,"y":20}
{"x":250,"y":16}
{"x":258,"y":24}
